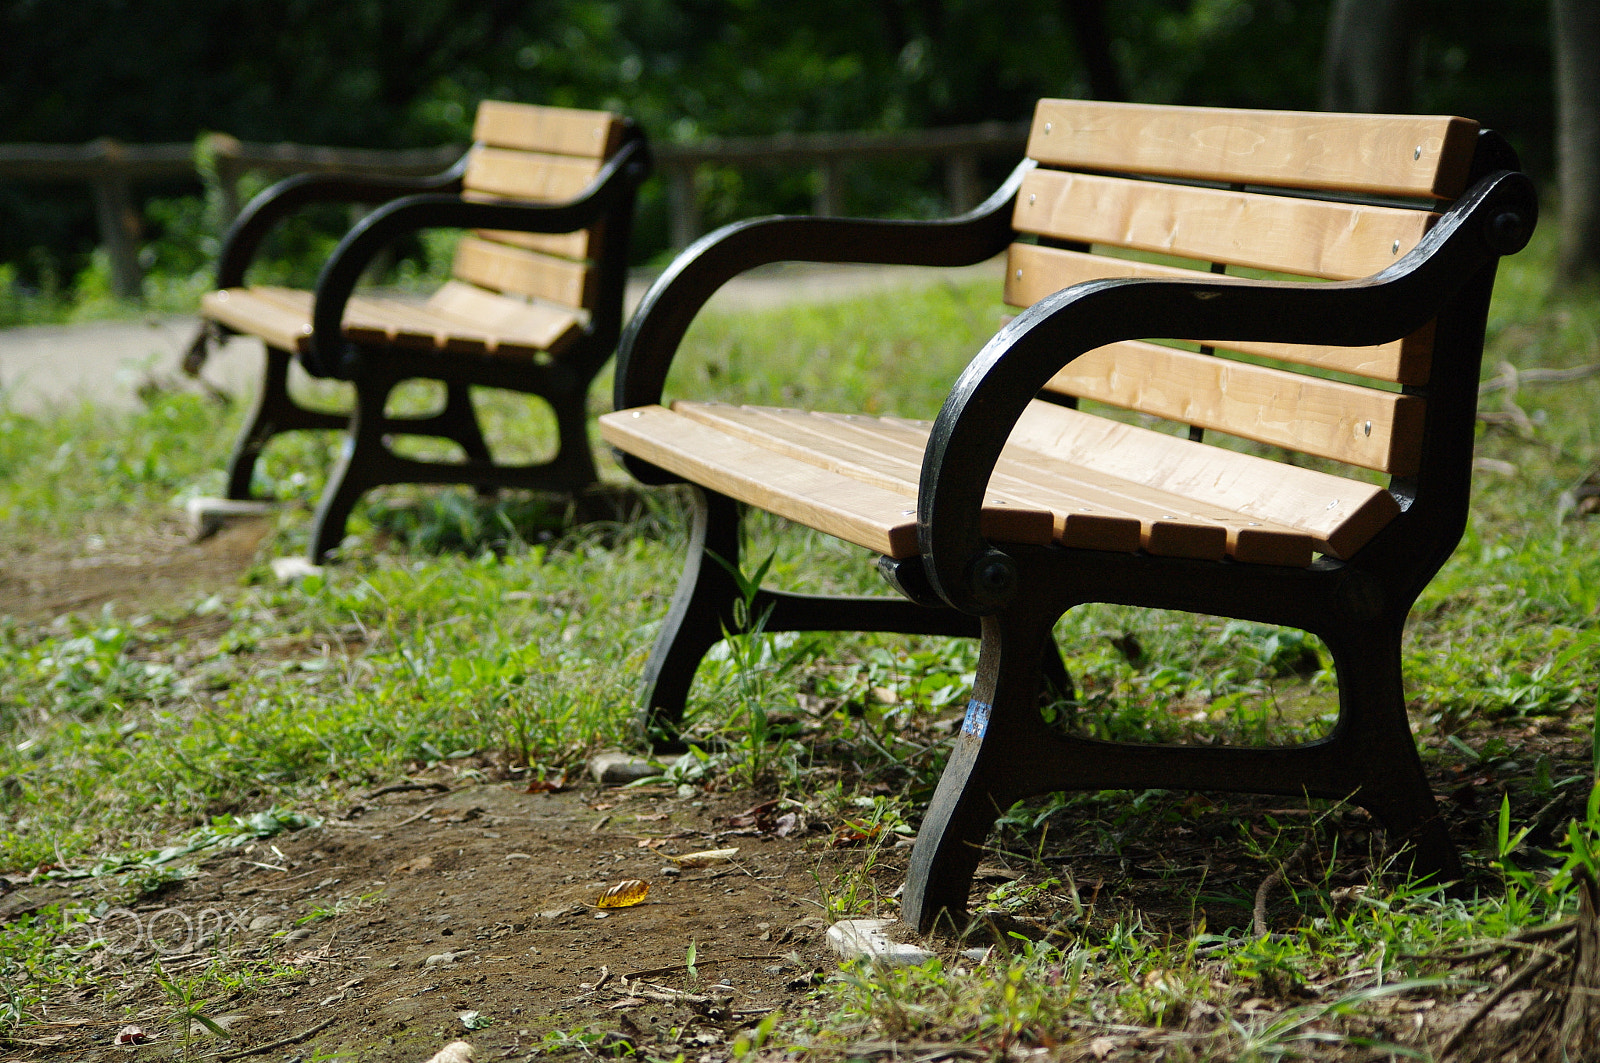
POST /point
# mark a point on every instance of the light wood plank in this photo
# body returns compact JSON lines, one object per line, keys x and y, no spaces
{"x":1311,"y":237}
{"x":527,"y":175}
{"x":1379,"y":430}
{"x":867,"y":515}
{"x":1033,"y":272}
{"x":512,"y":269}
{"x":575,"y":245}
{"x":1338,"y":513}
{"x":841,"y":447}
{"x":1169,"y":524}
{"x":1391,"y":155}
{"x":519,"y":328}
{"x":245,"y":310}
{"x":562,"y":130}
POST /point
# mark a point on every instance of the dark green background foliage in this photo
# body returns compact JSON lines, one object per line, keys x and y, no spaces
{"x":401,"y":73}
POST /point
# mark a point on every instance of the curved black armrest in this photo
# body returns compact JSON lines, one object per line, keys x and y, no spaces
{"x":328,"y":354}
{"x":658,"y":325}
{"x":271,"y":206}
{"x":1495,"y":218}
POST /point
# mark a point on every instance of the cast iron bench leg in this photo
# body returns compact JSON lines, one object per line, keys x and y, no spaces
{"x":274,"y":413}
{"x":701,"y":608}
{"x":1002,"y":732}
{"x":1382,"y":752}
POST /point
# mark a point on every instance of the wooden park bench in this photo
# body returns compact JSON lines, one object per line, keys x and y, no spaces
{"x":1019,"y":502}
{"x":534,"y":304}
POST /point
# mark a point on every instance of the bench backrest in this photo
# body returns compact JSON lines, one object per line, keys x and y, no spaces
{"x":1166,"y":191}
{"x":540,"y":154}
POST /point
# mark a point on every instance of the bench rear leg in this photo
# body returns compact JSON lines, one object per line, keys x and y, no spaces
{"x":1002,"y":735}
{"x":1375,"y":731}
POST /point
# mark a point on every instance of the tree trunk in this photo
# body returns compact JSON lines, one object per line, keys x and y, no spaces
{"x":1366,"y":59}
{"x":1094,"y":47}
{"x":1575,"y":29}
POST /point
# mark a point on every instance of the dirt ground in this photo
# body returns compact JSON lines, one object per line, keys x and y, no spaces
{"x":456,"y":892}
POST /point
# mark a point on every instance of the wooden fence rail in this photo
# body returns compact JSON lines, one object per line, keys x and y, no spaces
{"x":111,"y":169}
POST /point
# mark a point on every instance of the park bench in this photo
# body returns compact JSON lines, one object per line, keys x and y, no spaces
{"x":1320,"y":284}
{"x":534,"y":304}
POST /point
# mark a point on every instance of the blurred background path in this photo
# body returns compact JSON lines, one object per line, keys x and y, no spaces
{"x":109,"y":362}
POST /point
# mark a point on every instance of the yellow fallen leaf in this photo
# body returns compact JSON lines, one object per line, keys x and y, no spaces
{"x":625,"y":894}
{"x":706,"y":857}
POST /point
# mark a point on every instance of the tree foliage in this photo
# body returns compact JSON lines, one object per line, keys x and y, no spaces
{"x":399,"y":73}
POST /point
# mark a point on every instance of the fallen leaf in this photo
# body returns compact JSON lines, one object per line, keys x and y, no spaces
{"x":706,"y":857}
{"x":411,"y":867}
{"x":651,"y":843}
{"x":547,"y":786}
{"x":625,"y":894}
{"x":1101,"y":1047}
{"x":786,"y":824}
{"x":754,"y":817}
{"x":653,"y":817}
{"x":130,"y":1035}
{"x":475,"y":1020}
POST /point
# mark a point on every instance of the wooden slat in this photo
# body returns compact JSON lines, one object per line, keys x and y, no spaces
{"x":561,"y":130}
{"x":512,"y":269}
{"x":520,"y":328}
{"x":457,"y":319}
{"x":839,"y":445}
{"x":246,"y":310}
{"x":1033,"y":272}
{"x":1390,"y":155}
{"x":861,"y":513}
{"x":1170,"y":524}
{"x":1311,"y":237}
{"x":1379,"y":430}
{"x":527,"y":175}
{"x":564,"y":245}
{"x":1338,"y":513}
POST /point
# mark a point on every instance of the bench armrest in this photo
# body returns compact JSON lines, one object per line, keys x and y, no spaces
{"x":612,"y":187}
{"x":658,"y":325}
{"x":267,"y":209}
{"x":1495,"y":218}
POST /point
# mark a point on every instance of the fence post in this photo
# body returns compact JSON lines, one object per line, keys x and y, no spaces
{"x":118,"y":223}
{"x":825,"y":200}
{"x":683,"y":205}
{"x":961,"y":181}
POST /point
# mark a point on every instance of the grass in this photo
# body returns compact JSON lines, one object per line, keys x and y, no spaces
{"x":456,"y":628}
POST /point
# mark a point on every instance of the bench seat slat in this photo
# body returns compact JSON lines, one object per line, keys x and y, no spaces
{"x":1033,"y":272}
{"x":249,"y":311}
{"x":457,"y":319}
{"x":1170,"y":525}
{"x":1338,"y":513}
{"x":845,"y":446}
{"x":862,"y":513}
{"x":1309,"y":237}
{"x":1386,"y":155}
